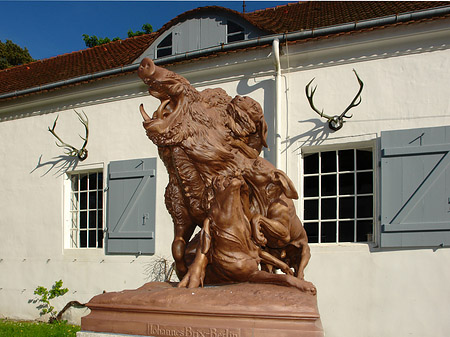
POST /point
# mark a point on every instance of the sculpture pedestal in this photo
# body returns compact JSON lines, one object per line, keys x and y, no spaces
{"x":237,"y":310}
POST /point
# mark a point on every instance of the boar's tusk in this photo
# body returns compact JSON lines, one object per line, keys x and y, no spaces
{"x":143,"y":113}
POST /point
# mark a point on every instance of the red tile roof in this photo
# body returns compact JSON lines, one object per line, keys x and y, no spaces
{"x":316,"y":14}
{"x":108,"y":56}
{"x":288,"y":18}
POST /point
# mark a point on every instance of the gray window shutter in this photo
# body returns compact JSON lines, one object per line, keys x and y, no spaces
{"x":415,"y":187}
{"x":131,"y":196}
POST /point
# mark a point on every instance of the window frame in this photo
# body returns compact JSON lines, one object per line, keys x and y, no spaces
{"x":370,"y":144}
{"x":68,"y":212}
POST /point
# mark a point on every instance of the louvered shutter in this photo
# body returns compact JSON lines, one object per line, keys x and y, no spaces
{"x":415,"y":187}
{"x":130,"y":218}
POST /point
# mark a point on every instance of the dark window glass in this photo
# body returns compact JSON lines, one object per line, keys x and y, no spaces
{"x":92,"y":219}
{"x":346,"y":231}
{"x":364,"y":231}
{"x":100,"y":200}
{"x":164,"y":48}
{"x":364,"y":208}
{"x":329,"y":185}
{"x":311,"y":163}
{"x":364,"y":160}
{"x":328,"y":162}
{"x":346,"y":183}
{"x":92,"y":200}
{"x":311,"y":209}
{"x":93,"y":181}
{"x":311,"y":186}
{"x":92,"y":239}
{"x":312,"y":230}
{"x":83,"y":182}
{"x":83,"y":200}
{"x":328,"y":208}
{"x":346,"y":208}
{"x":100,"y":238}
{"x":83,"y":239}
{"x":346,"y":160}
{"x":235,"y":32}
{"x":100,"y":180}
{"x":83,"y":219}
{"x":328,"y":232}
{"x":364,"y":182}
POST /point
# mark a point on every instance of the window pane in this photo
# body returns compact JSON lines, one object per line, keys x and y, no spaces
{"x":328,"y":232}
{"x":364,"y":159}
{"x":92,"y":219}
{"x":346,"y":160}
{"x":346,"y":183}
{"x":346,"y":208}
{"x":346,"y":231}
{"x":92,"y":239}
{"x":100,"y":180}
{"x":311,"y":187}
{"x":165,"y":47}
{"x":364,"y":231}
{"x":312,"y":230}
{"x":236,"y":37}
{"x":83,"y":182}
{"x":74,"y":180}
{"x":328,"y":163}
{"x":328,"y":208}
{"x":364,"y":207}
{"x":311,"y":209}
{"x":83,"y":239}
{"x":93,"y":181}
{"x":364,"y":182}
{"x":100,"y":219}
{"x":100,"y":238}
{"x":92,"y":200}
{"x":311,"y":163}
{"x":328,"y":186}
{"x":83,"y":219}
{"x":100,"y":200}
{"x":83,"y":200}
{"x":74,"y":201}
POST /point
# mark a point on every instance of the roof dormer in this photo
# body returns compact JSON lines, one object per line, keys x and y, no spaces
{"x":199,"y":30}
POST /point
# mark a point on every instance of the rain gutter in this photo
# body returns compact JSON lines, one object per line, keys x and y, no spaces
{"x":265,"y":40}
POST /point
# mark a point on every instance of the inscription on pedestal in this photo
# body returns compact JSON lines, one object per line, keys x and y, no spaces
{"x":191,"y":331}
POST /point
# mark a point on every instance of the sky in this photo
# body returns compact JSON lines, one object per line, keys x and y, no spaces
{"x":51,"y":28}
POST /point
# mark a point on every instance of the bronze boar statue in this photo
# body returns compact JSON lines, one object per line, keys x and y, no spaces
{"x":210,"y":144}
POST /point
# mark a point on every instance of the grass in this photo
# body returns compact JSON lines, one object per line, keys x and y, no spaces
{"x":10,"y":328}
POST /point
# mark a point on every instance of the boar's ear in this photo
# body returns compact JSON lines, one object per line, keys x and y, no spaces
{"x":286,"y":184}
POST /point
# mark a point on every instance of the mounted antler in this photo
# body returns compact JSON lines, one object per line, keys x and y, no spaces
{"x":72,"y":151}
{"x":335,"y":122}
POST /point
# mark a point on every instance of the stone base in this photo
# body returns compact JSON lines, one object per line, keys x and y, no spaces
{"x":237,"y":310}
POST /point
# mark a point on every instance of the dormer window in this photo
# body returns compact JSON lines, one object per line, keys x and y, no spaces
{"x":234,"y":32}
{"x":164,"y":48}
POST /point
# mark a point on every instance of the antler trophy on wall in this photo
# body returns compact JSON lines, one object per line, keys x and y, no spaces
{"x":72,"y":151}
{"x":335,"y":122}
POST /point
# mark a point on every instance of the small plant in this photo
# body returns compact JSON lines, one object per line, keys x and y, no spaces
{"x":47,"y":295}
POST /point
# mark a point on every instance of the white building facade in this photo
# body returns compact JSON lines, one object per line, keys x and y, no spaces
{"x":377,"y":215}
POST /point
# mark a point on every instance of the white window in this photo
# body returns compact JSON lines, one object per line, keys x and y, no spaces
{"x":338,"y":195}
{"x":85,"y":216}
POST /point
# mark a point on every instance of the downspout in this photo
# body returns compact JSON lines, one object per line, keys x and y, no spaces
{"x":277,"y":110}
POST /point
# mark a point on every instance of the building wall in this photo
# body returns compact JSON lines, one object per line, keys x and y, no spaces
{"x":363,"y":290}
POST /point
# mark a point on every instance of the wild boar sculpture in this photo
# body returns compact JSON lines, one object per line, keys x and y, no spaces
{"x":210,"y":144}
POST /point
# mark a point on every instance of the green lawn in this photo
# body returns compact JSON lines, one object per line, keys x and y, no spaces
{"x":10,"y":328}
